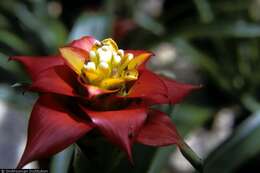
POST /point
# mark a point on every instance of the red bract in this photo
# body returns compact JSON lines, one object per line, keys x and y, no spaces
{"x":79,"y":93}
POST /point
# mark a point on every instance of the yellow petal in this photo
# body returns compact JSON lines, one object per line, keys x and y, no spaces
{"x":111,"y":83}
{"x":125,"y":61}
{"x":138,"y":60}
{"x":103,"y":70}
{"x":110,"y":42}
{"x":91,"y":77}
{"x":74,"y":57}
{"x":130,"y":75}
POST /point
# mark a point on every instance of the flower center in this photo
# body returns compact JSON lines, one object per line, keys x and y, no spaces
{"x":109,"y":67}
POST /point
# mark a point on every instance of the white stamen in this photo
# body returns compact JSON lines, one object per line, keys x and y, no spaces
{"x":120,"y":52}
{"x":105,"y":48}
{"x":130,"y":56}
{"x":98,"y":43}
{"x":93,"y":56}
{"x":116,"y":59}
{"x":90,"y":66}
{"x":103,"y":66}
{"x":104,"y":56}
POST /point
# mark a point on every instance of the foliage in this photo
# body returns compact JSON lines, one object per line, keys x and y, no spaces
{"x":218,"y":39}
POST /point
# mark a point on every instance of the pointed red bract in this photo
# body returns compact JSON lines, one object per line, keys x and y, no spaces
{"x":154,"y":89}
{"x":59,"y":80}
{"x":158,"y":130}
{"x":35,"y":65}
{"x":51,"y":129}
{"x":120,"y":127}
{"x":84,"y":43}
{"x":149,"y":87}
{"x":177,"y":91}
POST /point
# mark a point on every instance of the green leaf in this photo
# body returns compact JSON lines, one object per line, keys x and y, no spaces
{"x":225,"y":29}
{"x":44,"y":30}
{"x":4,"y":23}
{"x":14,"y":42}
{"x":11,"y":67}
{"x":148,"y":23}
{"x":188,"y":117}
{"x":238,"y":149}
{"x":229,"y":7}
{"x":95,"y":24}
{"x":142,"y":156}
{"x":250,"y":102}
{"x":60,"y":162}
{"x":205,"y":11}
{"x":50,"y":32}
{"x":160,"y":159}
{"x":17,"y":99}
{"x":95,"y":156}
{"x":201,"y":59}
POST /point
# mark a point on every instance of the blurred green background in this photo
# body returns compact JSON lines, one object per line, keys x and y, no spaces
{"x":210,"y":42}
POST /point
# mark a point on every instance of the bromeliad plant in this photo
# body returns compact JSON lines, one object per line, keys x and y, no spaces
{"x":96,"y":85}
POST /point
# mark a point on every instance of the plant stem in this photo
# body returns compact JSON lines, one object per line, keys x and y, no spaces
{"x":191,"y":156}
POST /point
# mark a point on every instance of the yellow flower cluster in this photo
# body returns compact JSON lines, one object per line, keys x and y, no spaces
{"x":105,"y":65}
{"x":109,"y":67}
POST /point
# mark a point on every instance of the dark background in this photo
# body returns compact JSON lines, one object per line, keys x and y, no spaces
{"x":210,"y":42}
